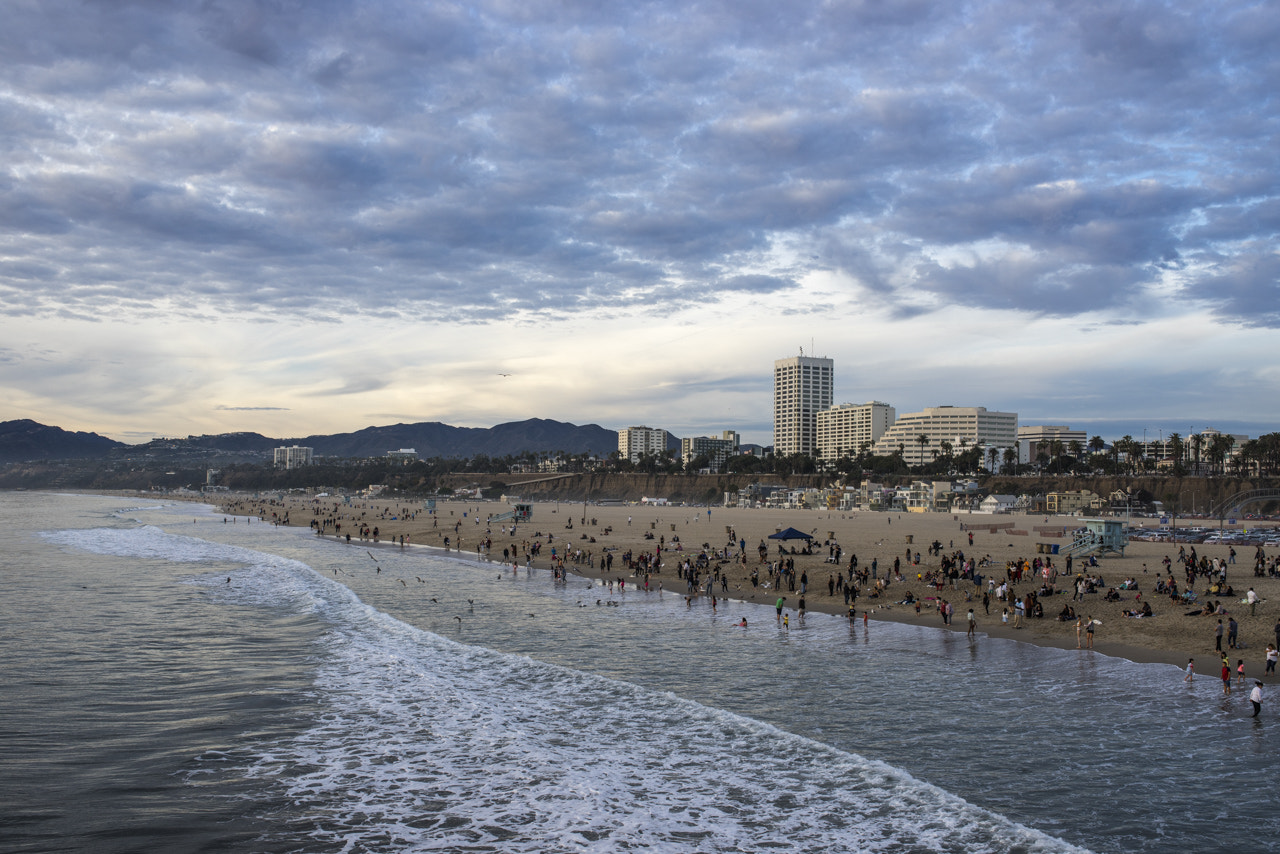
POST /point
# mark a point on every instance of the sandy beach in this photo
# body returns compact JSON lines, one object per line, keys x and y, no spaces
{"x":588,"y":532}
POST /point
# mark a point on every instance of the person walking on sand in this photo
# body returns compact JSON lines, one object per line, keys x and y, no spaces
{"x":1088,"y":632}
{"x":1217,"y":644}
{"x":1255,"y":697}
{"x":973,"y":621}
{"x":1240,"y":672}
{"x":1079,"y":626}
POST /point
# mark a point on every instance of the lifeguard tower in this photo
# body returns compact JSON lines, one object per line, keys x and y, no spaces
{"x":1100,"y":537}
{"x":517,"y":513}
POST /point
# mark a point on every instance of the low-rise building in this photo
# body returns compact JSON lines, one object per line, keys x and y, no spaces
{"x":1073,"y":501}
{"x":998,"y":504}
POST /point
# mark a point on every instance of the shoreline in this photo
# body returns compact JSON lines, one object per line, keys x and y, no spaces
{"x":1167,"y":638}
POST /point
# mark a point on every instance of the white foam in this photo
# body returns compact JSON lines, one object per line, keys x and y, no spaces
{"x":426,"y":744}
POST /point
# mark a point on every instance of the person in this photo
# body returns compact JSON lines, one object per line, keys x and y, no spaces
{"x":973,"y":621}
{"x":1079,"y":625}
{"x":1226,"y":677}
{"x":743,"y":623}
{"x":781,"y":601}
{"x":1233,"y":629}
{"x":1088,"y":632}
{"x":786,"y":621}
{"x":1240,"y":672}
{"x":1272,"y":655}
{"x":1217,"y":644}
{"x":1255,"y":697}
{"x":1252,"y":598}
{"x":1191,"y":671}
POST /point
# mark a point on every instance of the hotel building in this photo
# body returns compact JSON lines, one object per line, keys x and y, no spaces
{"x":962,"y":426}
{"x":801,"y":389}
{"x":845,"y":429}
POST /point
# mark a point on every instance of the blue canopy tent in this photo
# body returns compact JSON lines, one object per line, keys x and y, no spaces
{"x":791,"y":534}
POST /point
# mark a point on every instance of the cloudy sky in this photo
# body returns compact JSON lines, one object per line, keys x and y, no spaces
{"x":309,"y":217}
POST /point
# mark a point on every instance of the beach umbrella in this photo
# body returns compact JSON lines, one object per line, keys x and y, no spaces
{"x":790,"y":534}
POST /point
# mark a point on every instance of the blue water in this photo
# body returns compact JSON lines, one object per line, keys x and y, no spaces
{"x":176,"y":683}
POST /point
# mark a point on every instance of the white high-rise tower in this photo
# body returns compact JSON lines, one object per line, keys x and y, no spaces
{"x":801,"y":386}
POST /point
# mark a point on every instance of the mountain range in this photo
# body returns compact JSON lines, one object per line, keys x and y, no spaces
{"x":26,"y":440}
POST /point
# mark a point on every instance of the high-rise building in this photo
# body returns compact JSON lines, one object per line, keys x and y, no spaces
{"x":844,"y":430}
{"x":801,"y":387}
{"x":635,"y":442}
{"x":962,"y":427}
{"x":718,"y":449}
{"x":292,"y":457}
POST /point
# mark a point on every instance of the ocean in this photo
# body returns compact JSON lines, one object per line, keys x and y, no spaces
{"x":177,"y":682}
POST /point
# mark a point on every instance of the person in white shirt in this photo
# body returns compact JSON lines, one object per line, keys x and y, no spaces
{"x":1255,"y":697}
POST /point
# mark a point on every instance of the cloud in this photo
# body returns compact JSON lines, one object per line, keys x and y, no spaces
{"x":492,"y":164}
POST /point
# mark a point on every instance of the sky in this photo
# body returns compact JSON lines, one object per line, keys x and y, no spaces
{"x":298,"y":218}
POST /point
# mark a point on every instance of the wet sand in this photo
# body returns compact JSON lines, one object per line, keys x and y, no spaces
{"x":1169,"y":636}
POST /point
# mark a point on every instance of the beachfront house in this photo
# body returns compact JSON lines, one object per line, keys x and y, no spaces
{"x":998,"y":504}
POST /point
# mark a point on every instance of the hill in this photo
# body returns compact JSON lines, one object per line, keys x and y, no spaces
{"x":27,"y":441}
{"x":24,"y":440}
{"x":433,"y":439}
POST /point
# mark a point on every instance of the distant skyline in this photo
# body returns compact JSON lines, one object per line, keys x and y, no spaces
{"x":312,"y":218}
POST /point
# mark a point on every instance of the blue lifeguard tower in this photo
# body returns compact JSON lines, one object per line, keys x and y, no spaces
{"x":1100,"y":537}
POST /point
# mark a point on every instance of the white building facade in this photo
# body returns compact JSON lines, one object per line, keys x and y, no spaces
{"x":845,"y":429}
{"x":292,"y":457}
{"x":718,"y":449}
{"x":635,"y":442}
{"x":1031,"y":436}
{"x":802,"y":387}
{"x":964,"y":427}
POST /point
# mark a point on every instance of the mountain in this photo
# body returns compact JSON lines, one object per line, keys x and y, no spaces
{"x":25,"y":440}
{"x":433,"y":439}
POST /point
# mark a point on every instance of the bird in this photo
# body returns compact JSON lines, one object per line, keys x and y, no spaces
{"x":503,"y":375}
{"x":401,"y":580}
{"x":459,"y":619}
{"x":420,"y":581}
{"x":434,"y":599}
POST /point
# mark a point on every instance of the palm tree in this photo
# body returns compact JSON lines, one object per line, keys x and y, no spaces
{"x":1010,"y":461}
{"x":1197,"y":443}
{"x":1096,"y":444}
{"x":1127,"y":445}
{"x":1055,"y":450}
{"x":1175,"y":446}
{"x":993,"y":454}
{"x":923,"y":441}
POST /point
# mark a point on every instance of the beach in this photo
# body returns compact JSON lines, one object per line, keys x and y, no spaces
{"x":181,"y":679}
{"x":591,"y":531}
